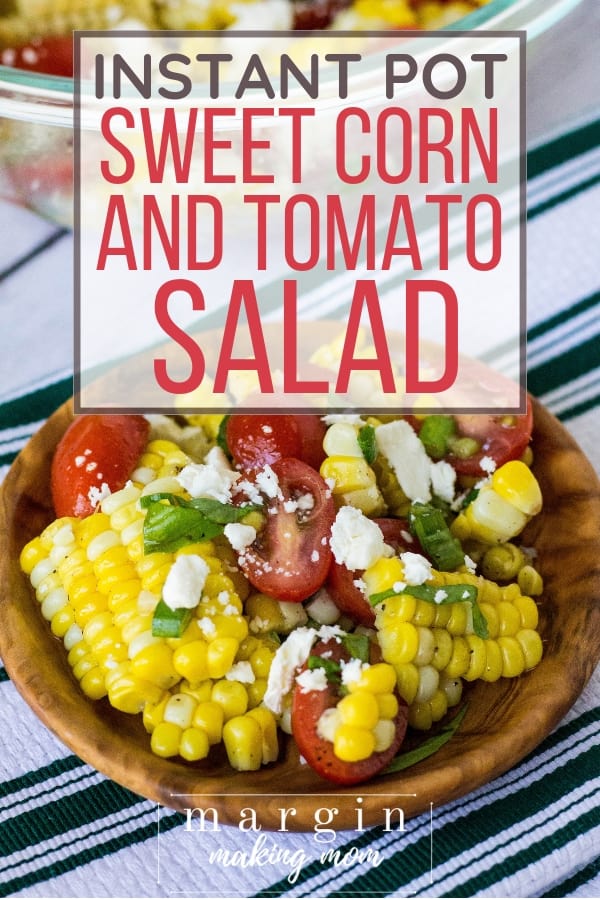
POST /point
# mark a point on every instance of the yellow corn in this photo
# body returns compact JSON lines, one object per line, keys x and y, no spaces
{"x":362,"y":720}
{"x":502,"y":507}
{"x":447,"y":647}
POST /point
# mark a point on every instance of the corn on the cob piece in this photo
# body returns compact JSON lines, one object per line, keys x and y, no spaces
{"x":503,"y":505}
{"x":102,"y":583}
{"x":188,"y":721}
{"x":432,"y":645}
{"x":353,"y":480}
{"x":362,"y":723}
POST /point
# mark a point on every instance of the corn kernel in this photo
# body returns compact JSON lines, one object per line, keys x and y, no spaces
{"x":190,"y":660}
{"x":179,"y":709}
{"x":352,"y":743}
{"x":243,"y":740}
{"x":359,"y":708}
{"x":513,"y":658}
{"x":516,"y":483}
{"x":531,"y":645}
{"x":194,"y":744}
{"x":388,"y":705}
{"x":165,"y":739}
{"x":208,"y":716}
{"x":231,"y":696}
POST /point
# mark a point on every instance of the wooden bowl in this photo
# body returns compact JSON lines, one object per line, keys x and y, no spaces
{"x":504,"y":721}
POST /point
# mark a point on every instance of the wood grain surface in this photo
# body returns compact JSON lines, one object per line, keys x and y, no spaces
{"x":504,"y":721}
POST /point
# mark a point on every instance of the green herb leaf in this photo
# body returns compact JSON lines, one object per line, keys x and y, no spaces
{"x":167,"y":528}
{"x":357,"y":646}
{"x":170,"y":623}
{"x":428,"y":747}
{"x":428,"y":525}
{"x":368,"y":443}
{"x":333,"y":670}
{"x":173,"y":524}
{"x":449,"y":593}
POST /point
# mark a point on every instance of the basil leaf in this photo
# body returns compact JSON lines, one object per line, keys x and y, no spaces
{"x":167,"y":528}
{"x":357,"y":646}
{"x":428,"y":747}
{"x":367,"y":443}
{"x":440,"y":595}
{"x":170,"y":623}
{"x":333,"y":670}
{"x":171,"y":525}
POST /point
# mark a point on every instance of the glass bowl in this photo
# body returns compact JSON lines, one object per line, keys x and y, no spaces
{"x":36,"y":114}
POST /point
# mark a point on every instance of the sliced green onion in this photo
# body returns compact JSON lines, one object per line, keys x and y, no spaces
{"x":435,"y":433}
{"x":428,"y":525}
{"x":367,"y":443}
{"x":170,"y":623}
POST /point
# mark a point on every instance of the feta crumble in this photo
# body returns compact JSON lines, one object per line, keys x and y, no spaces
{"x":185,"y":582}
{"x":417,"y":569}
{"x":356,"y":541}
{"x":240,"y":536}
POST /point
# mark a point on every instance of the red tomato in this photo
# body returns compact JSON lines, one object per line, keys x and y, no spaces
{"x":307,"y":708}
{"x":498,"y":440}
{"x":95,"y":450}
{"x":312,"y":433}
{"x":290,"y":557}
{"x":349,"y":598}
{"x":50,"y":55}
{"x":256,"y":441}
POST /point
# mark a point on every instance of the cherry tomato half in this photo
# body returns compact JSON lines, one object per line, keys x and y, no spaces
{"x":255,"y":441}
{"x":95,"y":450}
{"x":50,"y":55}
{"x":502,"y":438}
{"x":340,"y":582}
{"x":290,"y":557}
{"x":307,"y":708}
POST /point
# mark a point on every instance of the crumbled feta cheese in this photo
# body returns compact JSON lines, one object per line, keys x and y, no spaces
{"x":97,"y":494}
{"x":352,"y":670}
{"x":185,"y":581}
{"x":250,"y":491}
{"x":356,"y":541}
{"x":289,"y":656}
{"x":470,"y":564}
{"x":440,"y":596}
{"x":417,"y":569}
{"x":207,"y":626}
{"x":407,"y":457}
{"x":207,"y":480}
{"x":443,"y":480}
{"x":487,"y":464}
{"x":240,"y":536}
{"x":312,"y":680}
{"x":241,"y":671}
{"x":346,"y":418}
{"x":267,"y":481}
